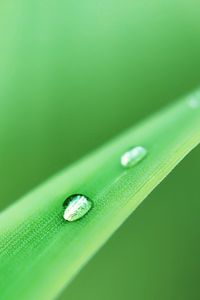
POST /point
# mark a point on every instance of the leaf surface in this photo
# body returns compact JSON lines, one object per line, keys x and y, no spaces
{"x":40,"y":252}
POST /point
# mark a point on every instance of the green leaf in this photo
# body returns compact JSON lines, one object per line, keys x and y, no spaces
{"x":41,"y":252}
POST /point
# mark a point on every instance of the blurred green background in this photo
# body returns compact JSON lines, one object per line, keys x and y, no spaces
{"x":74,"y":74}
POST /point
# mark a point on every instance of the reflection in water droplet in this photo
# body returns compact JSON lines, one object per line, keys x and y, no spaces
{"x":76,"y":206}
{"x":133,"y":156}
{"x":194,"y":102}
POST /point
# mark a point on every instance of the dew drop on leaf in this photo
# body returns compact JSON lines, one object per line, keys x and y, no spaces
{"x":194,"y":102}
{"x":133,"y":156}
{"x":76,"y":206}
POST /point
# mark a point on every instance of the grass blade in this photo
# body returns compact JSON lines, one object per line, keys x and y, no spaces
{"x":40,"y":252}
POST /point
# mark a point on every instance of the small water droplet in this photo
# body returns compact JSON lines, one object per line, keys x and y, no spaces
{"x":76,"y":206}
{"x":133,"y":156}
{"x":194,"y":102}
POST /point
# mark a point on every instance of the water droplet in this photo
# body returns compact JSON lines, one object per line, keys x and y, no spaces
{"x":133,"y":156}
{"x":194,"y":102}
{"x":76,"y":206}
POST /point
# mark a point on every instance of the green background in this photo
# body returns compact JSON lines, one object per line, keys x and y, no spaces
{"x":72,"y":75}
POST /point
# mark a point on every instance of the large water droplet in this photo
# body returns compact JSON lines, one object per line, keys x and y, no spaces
{"x":133,"y":156}
{"x":76,"y":206}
